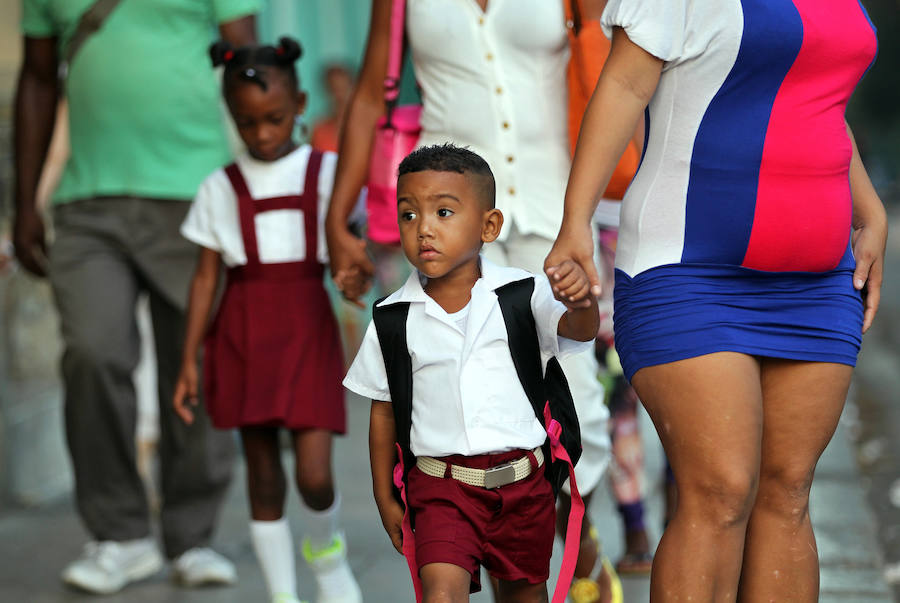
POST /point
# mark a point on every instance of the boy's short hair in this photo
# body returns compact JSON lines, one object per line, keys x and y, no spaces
{"x":448,"y":157}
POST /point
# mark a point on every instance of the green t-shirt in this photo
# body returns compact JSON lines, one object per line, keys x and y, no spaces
{"x":145,"y":118}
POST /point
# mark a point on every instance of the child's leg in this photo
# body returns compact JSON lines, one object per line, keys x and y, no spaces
{"x":324,"y":547}
{"x":270,"y":533}
{"x":445,"y":583}
{"x":521,"y":591}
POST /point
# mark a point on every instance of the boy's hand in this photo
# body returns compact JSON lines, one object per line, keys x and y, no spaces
{"x":392,"y":517}
{"x":570,"y":284}
{"x":186,"y":393}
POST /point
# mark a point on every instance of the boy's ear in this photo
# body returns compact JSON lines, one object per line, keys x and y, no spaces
{"x":493,"y":223}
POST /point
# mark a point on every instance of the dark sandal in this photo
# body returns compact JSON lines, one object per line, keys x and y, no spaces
{"x":635,"y":563}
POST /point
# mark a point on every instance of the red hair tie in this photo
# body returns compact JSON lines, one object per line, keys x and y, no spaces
{"x":279,"y":50}
{"x":229,"y":54}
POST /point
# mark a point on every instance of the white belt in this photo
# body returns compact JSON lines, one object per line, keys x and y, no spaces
{"x":494,"y":477}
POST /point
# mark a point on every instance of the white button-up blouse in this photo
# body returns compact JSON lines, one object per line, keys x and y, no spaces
{"x":495,"y":81}
{"x":467,"y":398}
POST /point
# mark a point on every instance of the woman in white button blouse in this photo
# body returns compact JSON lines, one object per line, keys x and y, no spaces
{"x":492,"y":75}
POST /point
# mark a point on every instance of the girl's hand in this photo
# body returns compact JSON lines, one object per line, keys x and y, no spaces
{"x":186,"y":393}
{"x":392,"y":518}
{"x":868,"y":247}
{"x":574,"y":244}
{"x":570,"y":285}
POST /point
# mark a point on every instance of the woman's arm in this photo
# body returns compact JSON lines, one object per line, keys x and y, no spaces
{"x":202,"y":294}
{"x":870,"y":230}
{"x":383,"y":457}
{"x":627,"y":83}
{"x":347,"y":252}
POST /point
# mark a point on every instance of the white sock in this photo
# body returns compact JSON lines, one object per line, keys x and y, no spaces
{"x":275,"y":551}
{"x":322,"y":526}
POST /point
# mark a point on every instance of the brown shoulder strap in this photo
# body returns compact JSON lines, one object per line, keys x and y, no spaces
{"x":88,"y":24}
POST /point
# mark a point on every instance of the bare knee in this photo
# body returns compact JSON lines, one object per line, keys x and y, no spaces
{"x":316,"y":486}
{"x":444,"y":583}
{"x":785,"y":492}
{"x":723,"y":499}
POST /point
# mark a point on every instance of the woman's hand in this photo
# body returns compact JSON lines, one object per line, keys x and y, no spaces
{"x":186,"y":392}
{"x":351,"y":268}
{"x":869,"y":242}
{"x":575,"y":243}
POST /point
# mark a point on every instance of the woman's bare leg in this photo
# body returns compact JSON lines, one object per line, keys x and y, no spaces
{"x":708,"y":412}
{"x":802,"y":403}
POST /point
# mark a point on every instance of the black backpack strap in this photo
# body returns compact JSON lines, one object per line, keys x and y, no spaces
{"x":521,"y":331}
{"x":390,"y":324}
{"x":540,"y":387}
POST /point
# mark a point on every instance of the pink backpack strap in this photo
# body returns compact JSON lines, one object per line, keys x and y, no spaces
{"x":395,"y":54}
{"x":576,"y":510}
{"x":409,"y":539}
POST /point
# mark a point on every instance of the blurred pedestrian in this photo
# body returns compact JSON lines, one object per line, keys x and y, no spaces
{"x":272,"y":357}
{"x":145,"y":128}
{"x":326,"y":132}
{"x":749,"y":264}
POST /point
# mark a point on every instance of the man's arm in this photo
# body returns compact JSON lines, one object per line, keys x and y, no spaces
{"x":37,"y":95}
{"x":239,"y":32}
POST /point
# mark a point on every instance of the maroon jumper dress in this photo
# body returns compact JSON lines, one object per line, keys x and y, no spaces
{"x":273,"y":353}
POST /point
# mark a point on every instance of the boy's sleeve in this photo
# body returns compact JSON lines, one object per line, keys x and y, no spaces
{"x":37,"y":19}
{"x":547,"y":312}
{"x":199,"y":225}
{"x":367,"y":376}
{"x":230,"y":10}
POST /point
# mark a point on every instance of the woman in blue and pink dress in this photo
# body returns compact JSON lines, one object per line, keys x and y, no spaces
{"x":749,"y":265}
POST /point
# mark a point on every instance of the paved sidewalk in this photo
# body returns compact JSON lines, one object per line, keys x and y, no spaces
{"x":36,"y":544}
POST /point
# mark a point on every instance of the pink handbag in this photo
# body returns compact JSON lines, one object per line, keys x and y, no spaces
{"x":396,"y":135}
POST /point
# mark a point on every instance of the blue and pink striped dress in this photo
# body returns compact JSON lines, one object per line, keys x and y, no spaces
{"x":735,"y":234}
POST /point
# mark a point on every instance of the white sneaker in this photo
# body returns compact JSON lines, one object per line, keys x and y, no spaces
{"x":105,"y":567}
{"x":202,"y":566}
{"x":333,"y":576}
{"x":285,"y":598}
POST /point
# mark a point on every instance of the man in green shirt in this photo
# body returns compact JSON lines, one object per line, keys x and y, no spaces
{"x":145,"y":129}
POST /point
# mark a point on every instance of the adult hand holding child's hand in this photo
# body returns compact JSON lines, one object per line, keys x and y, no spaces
{"x":574,"y":244}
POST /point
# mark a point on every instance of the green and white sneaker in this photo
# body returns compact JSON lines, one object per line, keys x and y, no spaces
{"x":333,"y":575}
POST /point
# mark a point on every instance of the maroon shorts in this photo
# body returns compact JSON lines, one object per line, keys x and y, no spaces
{"x":509,"y":529}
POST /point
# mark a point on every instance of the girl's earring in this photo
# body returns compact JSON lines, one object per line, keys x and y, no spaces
{"x":300,"y":126}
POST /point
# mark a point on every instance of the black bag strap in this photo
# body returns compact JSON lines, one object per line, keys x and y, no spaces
{"x":515,"y":304}
{"x":390,"y":325}
{"x":88,"y":24}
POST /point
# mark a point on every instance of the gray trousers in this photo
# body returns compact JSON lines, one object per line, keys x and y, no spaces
{"x":106,"y":252}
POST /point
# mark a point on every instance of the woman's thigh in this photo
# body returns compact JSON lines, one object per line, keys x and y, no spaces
{"x":802,"y":403}
{"x":708,"y":412}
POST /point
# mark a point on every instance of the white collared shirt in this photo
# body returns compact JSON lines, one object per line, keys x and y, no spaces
{"x":467,"y":398}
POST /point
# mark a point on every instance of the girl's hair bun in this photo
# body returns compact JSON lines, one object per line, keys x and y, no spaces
{"x":220,"y":52}
{"x":288,"y":49}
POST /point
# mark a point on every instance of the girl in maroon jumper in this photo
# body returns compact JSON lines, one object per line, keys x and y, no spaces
{"x":272,"y":356}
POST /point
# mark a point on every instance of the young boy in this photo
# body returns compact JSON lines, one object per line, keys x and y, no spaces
{"x":469,"y":409}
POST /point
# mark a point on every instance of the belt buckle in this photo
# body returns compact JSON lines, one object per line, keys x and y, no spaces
{"x":499,"y":476}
